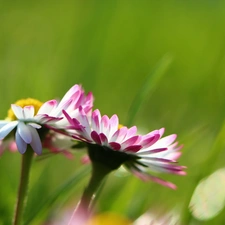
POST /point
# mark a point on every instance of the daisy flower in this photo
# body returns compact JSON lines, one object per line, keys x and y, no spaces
{"x":114,"y":145}
{"x":31,"y":119}
{"x":72,"y":100}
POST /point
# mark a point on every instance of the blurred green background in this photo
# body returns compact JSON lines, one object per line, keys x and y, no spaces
{"x":110,"y":47}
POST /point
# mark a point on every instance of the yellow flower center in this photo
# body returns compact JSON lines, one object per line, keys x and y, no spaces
{"x":22,"y":103}
{"x":120,"y":126}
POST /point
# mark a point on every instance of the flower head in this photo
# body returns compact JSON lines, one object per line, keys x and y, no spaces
{"x":31,"y":119}
{"x":26,"y":123}
{"x":114,"y":146}
{"x":72,"y":100}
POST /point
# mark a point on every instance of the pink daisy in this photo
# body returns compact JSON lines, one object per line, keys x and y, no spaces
{"x":113,"y":146}
{"x":72,"y":100}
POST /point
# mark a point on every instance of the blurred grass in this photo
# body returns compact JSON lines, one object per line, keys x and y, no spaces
{"x":148,"y":86}
{"x":110,"y":47}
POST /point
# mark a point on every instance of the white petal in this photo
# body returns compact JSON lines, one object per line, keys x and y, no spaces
{"x":161,"y":131}
{"x":96,"y":119}
{"x":36,"y":141}
{"x":35,"y":125}
{"x":21,"y":144}
{"x":73,"y":92}
{"x":24,"y":132}
{"x":166,"y":141}
{"x":4,"y":131}
{"x":18,"y":111}
{"x":3,"y":123}
{"x":114,"y":123}
{"x":28,"y":112}
{"x":39,"y":118}
{"x":47,"y":107}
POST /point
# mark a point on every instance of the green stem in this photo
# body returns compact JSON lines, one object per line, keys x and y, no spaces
{"x":24,"y":179}
{"x":83,"y":210}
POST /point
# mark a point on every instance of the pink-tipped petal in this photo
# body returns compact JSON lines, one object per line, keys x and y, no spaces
{"x":119,"y":135}
{"x":153,"y":151}
{"x":163,"y":182}
{"x":147,"y":177}
{"x":150,"y":141}
{"x":88,"y":102}
{"x":70,"y":120}
{"x":47,"y":107}
{"x":166,"y":141}
{"x":28,"y":112}
{"x":96,"y":137}
{"x":176,"y":155}
{"x":131,"y":131}
{"x":115,"y":146}
{"x":161,"y":131}
{"x":129,"y":142}
{"x":174,"y":147}
{"x":105,"y":124}
{"x":96,"y":120}
{"x":62,"y":105}
{"x":155,"y":159}
{"x":103,"y":138}
{"x":133,"y":148}
{"x":73,"y":92}
{"x":114,"y":123}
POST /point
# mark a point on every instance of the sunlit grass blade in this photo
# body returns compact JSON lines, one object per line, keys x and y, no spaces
{"x":59,"y":193}
{"x":149,"y":85}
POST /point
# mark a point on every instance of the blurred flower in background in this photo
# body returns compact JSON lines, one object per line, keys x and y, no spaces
{"x":157,"y":218}
{"x":108,"y":218}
